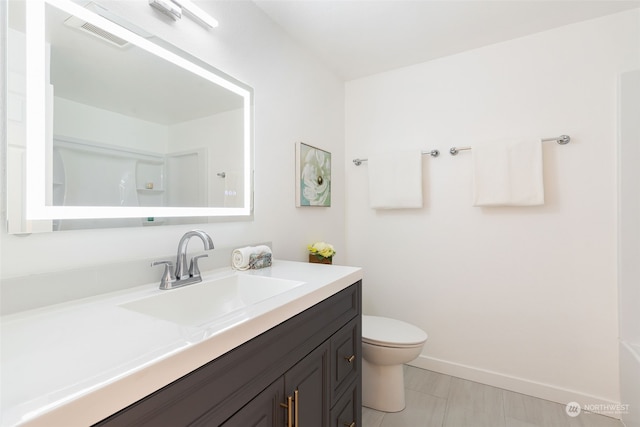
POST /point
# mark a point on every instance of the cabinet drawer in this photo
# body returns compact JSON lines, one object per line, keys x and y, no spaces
{"x":345,"y":305}
{"x":346,"y":353}
{"x":348,"y":410}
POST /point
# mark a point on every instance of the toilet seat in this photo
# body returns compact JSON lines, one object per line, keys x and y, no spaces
{"x":386,"y":332}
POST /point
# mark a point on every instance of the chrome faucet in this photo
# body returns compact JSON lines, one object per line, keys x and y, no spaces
{"x":183,"y":275}
{"x":181,"y":262}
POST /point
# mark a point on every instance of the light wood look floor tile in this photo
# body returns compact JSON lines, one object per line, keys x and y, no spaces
{"x":423,"y":410}
{"x":461,"y":417}
{"x":586,"y":419}
{"x":371,"y":417}
{"x":427,"y":382}
{"x":474,"y":404}
{"x":512,"y":422}
{"x":475,"y":397}
{"x":437,"y":400}
{"x":534,"y":411}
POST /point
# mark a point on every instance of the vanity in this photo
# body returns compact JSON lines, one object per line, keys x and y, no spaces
{"x":289,"y":359}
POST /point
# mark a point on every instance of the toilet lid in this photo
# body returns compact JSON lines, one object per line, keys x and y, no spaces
{"x":391,"y":332}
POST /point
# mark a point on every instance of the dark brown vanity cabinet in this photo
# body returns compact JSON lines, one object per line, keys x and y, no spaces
{"x":305,"y":372}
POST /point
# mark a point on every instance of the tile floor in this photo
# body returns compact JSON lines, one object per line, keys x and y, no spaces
{"x":437,"y":400}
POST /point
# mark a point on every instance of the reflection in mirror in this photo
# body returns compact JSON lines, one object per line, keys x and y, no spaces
{"x":133,"y":131}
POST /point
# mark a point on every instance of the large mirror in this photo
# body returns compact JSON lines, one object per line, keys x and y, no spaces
{"x":110,"y":126}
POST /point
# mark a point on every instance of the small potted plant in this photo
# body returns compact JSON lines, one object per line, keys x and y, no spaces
{"x":321,"y":252}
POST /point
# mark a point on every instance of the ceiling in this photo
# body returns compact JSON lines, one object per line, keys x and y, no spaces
{"x":357,"y":38}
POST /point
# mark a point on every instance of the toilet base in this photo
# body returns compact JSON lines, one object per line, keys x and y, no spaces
{"x":383,"y":387}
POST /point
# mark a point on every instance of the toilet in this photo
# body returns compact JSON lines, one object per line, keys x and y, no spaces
{"x":386,"y":345}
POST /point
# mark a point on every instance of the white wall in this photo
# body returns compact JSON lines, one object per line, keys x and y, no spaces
{"x":523,"y":298}
{"x":296,"y":98}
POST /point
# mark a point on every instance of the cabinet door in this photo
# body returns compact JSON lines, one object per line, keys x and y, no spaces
{"x":263,"y":411}
{"x":307,"y":382}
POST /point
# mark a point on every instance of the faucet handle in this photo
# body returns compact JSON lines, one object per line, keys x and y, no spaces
{"x":194,"y":270}
{"x":167,"y":275}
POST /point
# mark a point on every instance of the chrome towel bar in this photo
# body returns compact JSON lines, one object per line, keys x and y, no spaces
{"x":432,"y":153}
{"x":562,"y":140}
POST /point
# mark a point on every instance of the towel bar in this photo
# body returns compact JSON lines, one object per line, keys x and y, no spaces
{"x":432,"y":153}
{"x":562,"y":140}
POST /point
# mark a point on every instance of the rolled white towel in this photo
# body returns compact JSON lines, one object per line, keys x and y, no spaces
{"x":240,"y":257}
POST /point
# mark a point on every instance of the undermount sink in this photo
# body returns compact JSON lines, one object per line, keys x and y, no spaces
{"x":204,"y":302}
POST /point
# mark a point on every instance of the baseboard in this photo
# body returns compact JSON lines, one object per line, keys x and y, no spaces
{"x":519,"y":385}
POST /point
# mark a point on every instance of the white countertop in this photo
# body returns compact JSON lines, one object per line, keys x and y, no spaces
{"x":76,"y":363}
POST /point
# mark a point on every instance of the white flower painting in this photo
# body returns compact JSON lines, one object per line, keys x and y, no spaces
{"x":313,"y":168}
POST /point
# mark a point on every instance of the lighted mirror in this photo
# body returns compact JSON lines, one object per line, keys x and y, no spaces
{"x":115,"y":127}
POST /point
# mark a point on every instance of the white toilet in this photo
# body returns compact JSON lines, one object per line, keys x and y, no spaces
{"x":386,"y":345}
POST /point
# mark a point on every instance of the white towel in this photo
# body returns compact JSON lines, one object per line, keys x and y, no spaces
{"x":508,"y":173}
{"x":241,"y":257}
{"x":395,"y":180}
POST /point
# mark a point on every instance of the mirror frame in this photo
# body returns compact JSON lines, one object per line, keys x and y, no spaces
{"x":36,"y":206}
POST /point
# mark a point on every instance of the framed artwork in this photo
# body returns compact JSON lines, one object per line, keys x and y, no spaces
{"x":313,"y":176}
